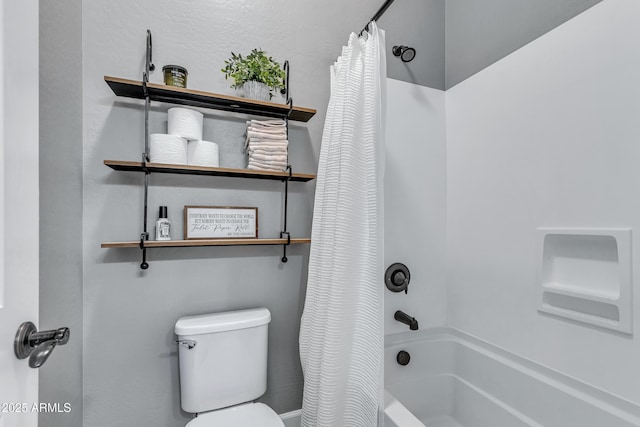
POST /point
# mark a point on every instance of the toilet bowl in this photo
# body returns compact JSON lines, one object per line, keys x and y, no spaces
{"x":245,"y":415}
{"x":223,"y":368}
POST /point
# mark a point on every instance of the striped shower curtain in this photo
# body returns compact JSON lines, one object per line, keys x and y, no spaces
{"x":341,"y":335}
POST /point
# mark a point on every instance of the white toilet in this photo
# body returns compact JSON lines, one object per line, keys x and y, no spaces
{"x":223,"y":366}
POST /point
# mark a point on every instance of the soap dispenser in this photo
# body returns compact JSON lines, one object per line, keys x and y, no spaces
{"x":163,"y":225}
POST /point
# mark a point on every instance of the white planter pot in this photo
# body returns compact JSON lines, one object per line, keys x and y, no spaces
{"x":255,"y":90}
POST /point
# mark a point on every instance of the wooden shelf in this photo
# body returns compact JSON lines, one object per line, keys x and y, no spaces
{"x":197,"y":98}
{"x":129,"y":166}
{"x":212,"y":242}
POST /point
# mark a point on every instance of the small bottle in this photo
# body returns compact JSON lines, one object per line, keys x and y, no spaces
{"x":163,"y":225}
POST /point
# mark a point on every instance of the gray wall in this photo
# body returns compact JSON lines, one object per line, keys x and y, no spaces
{"x":130,"y":359}
{"x":479,"y":33}
{"x":61,"y":203}
{"x":421,"y":25}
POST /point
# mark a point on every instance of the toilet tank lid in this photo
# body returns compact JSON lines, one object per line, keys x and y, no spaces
{"x":222,"y":322}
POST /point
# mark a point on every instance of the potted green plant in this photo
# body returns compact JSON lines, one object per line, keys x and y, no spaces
{"x":255,"y":75}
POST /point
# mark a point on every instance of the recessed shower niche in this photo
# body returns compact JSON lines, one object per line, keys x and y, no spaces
{"x":585,"y":275}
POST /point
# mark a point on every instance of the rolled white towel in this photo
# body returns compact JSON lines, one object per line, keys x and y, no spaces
{"x":267,"y":121}
{"x":268,"y":160}
{"x":261,"y":168}
{"x":267,"y":164}
{"x":267,"y":152}
{"x":253,"y":142}
{"x":275,"y":140}
{"x":267,"y":135}
{"x":266,"y":168}
{"x":267,"y":124}
{"x":267,"y":147}
{"x":270,"y":128}
{"x":268,"y":157}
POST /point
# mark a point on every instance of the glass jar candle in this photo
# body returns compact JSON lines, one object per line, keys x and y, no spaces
{"x":175,"y":75}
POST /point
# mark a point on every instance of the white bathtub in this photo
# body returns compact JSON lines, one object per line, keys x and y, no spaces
{"x":456,"y":380}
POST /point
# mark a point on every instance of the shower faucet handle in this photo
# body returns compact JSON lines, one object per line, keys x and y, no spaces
{"x":397,"y":277}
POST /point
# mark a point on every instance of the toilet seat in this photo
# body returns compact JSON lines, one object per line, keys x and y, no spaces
{"x":246,"y":415}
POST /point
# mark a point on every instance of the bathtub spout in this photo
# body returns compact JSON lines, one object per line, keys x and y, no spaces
{"x":403,"y":317}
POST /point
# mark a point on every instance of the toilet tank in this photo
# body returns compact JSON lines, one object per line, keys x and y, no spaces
{"x":228,"y":364}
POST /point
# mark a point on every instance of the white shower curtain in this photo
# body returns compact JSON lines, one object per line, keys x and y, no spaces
{"x":341,"y":335}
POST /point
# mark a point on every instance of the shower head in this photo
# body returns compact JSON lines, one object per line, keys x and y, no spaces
{"x":405,"y":53}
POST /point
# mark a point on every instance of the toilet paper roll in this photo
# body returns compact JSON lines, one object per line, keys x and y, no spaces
{"x":203,"y":153}
{"x":167,"y":149}
{"x":185,"y":122}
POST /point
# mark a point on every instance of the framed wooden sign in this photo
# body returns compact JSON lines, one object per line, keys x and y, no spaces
{"x":220,"y":222}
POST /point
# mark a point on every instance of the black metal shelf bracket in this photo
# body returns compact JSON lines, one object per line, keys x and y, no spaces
{"x":284,"y":258}
{"x":143,"y":238}
{"x":149,"y":67}
{"x":285,"y":91}
{"x":287,"y":94}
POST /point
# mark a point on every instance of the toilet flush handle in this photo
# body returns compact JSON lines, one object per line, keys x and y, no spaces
{"x":190,"y":344}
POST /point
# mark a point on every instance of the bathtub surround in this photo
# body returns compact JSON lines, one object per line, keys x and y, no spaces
{"x":342,"y":327}
{"x":546,"y":138}
{"x":415,"y":202}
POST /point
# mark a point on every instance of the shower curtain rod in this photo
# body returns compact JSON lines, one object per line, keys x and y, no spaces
{"x":378,"y":14}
